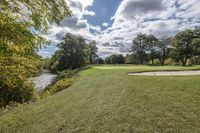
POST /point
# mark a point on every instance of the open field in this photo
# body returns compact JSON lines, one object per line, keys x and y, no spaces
{"x":106,"y":99}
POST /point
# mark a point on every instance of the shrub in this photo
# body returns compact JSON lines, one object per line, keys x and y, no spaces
{"x":14,"y":83}
{"x":14,"y":87}
{"x":67,"y":74}
{"x":58,"y":86}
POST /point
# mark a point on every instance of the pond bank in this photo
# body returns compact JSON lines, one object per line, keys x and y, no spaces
{"x":42,"y":81}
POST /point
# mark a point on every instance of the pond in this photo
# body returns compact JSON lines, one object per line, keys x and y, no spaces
{"x":42,"y":81}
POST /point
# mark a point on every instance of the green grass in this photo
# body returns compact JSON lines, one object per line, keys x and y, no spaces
{"x":105,"y":99}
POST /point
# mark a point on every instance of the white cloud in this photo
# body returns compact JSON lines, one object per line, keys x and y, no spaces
{"x":105,"y":24}
{"x":75,"y":24}
{"x":158,"y":17}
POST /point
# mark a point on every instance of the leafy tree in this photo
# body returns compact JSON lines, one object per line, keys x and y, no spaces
{"x":139,"y":47}
{"x":151,"y":44}
{"x":108,"y":60}
{"x":71,"y":53}
{"x":120,"y":59}
{"x":164,"y":48}
{"x":128,"y":59}
{"x":99,"y":61}
{"x":92,"y":52}
{"x":185,"y":44}
{"x":21,"y":24}
{"x":115,"y":59}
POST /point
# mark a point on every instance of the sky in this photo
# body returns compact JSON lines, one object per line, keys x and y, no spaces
{"x":113,"y":24}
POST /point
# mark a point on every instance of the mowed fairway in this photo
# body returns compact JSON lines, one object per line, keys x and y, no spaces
{"x":105,"y":99}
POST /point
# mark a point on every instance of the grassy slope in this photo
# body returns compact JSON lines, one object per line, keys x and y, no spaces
{"x":104,"y":99}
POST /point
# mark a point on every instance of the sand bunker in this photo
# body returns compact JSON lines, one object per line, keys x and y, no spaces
{"x":167,"y":73}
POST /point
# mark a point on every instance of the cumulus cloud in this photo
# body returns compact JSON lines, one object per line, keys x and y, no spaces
{"x":130,"y":9}
{"x":76,"y":23}
{"x":158,"y":17}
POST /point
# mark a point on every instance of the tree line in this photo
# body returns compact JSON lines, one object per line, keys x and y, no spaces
{"x":182,"y":49}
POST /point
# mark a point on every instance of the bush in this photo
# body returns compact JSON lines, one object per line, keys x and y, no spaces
{"x":58,"y":86}
{"x":14,"y":87}
{"x":14,"y":83}
{"x":67,"y":74}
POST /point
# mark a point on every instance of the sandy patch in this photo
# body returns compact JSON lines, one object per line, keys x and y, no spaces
{"x":167,"y":73}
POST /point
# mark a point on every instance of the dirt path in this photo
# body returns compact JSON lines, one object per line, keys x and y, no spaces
{"x":167,"y":73}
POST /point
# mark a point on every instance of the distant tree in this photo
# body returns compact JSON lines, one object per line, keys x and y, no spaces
{"x":120,"y":59}
{"x":185,"y":45}
{"x":139,"y":47}
{"x":115,"y":59}
{"x":164,"y":46}
{"x":152,"y":47}
{"x":99,"y":61}
{"x":196,"y":41}
{"x":108,"y":60}
{"x":71,"y":53}
{"x":92,"y":52}
{"x":128,"y":59}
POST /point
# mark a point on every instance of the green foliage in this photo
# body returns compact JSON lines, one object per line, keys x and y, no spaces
{"x":139,"y":47}
{"x":67,"y":74}
{"x":92,"y":52}
{"x":35,"y":13}
{"x":73,"y":53}
{"x":183,"y":47}
{"x":99,"y":61}
{"x":115,"y":59}
{"x":163,"y":46}
{"x":64,"y":80}
{"x":14,"y":86}
{"x":60,"y":85}
{"x":46,"y":63}
{"x":22,"y":23}
{"x":186,"y":45}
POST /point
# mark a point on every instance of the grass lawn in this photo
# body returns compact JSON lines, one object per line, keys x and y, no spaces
{"x":105,"y":99}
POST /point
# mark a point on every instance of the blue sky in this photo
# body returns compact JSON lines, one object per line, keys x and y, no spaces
{"x":104,"y":10}
{"x":113,"y":24}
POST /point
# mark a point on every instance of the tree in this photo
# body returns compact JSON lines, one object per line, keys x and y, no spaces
{"x":115,"y":59}
{"x":22,"y":22}
{"x":92,"y":52}
{"x":108,"y":60}
{"x":184,"y":45}
{"x":71,"y":53}
{"x":139,"y":47}
{"x":164,"y":46}
{"x":120,"y":59}
{"x":151,"y":44}
{"x":99,"y":61}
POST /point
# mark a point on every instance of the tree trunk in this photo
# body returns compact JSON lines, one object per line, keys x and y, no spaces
{"x":184,"y":62}
{"x":163,"y":58}
{"x":152,"y":61}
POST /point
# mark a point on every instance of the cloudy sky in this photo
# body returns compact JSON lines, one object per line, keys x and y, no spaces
{"x":114,"y":23}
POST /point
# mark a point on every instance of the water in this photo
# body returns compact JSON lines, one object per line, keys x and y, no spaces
{"x":42,"y":81}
